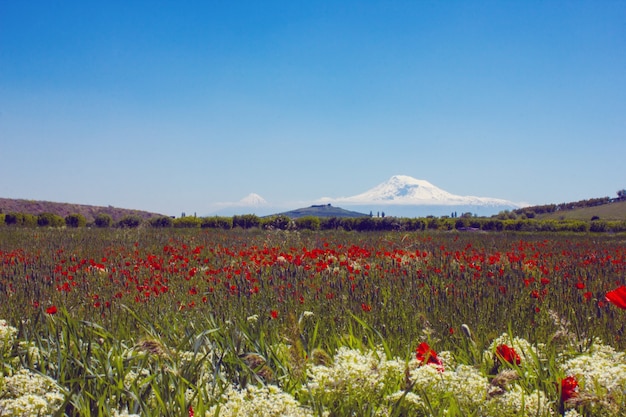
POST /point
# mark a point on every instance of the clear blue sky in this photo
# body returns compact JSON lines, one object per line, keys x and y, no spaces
{"x":175,"y":106}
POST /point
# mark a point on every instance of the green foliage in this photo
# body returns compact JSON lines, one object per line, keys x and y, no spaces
{"x":188,"y":222}
{"x":20,"y":219}
{"x":308,"y":223}
{"x":246,"y":221}
{"x":75,"y":220}
{"x":129,"y":222}
{"x":50,"y":220}
{"x":103,"y":220}
{"x":161,"y":221}
{"x":280,"y":222}
{"x":217,"y":222}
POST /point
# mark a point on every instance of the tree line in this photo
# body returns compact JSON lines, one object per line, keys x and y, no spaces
{"x":465,"y":223}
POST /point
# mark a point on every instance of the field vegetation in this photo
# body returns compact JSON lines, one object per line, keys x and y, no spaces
{"x":167,"y":321}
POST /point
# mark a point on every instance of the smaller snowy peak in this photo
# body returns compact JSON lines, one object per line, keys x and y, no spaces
{"x":253,"y":199}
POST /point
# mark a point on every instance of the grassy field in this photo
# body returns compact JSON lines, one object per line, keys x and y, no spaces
{"x":207,"y":322}
{"x":612,"y":211}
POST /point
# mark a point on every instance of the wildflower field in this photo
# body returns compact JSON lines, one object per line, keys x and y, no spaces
{"x":149,"y":322}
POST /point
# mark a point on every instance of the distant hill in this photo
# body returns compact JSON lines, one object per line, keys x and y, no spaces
{"x":8,"y":205}
{"x":322,"y":210}
{"x":609,"y":210}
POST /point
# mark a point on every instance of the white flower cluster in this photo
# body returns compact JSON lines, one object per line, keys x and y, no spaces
{"x":600,"y":372}
{"x":265,"y":401}
{"x":354,"y":377}
{"x":7,"y":335}
{"x":416,"y":389}
{"x":27,"y":394}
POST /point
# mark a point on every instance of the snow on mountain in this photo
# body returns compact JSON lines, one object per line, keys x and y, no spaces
{"x":252,"y":199}
{"x":250,"y":204}
{"x":406,"y":190}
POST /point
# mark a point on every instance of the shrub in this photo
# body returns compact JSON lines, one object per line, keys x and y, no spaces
{"x":20,"y":219}
{"x":189,"y":222}
{"x":50,"y":219}
{"x":131,"y":221}
{"x":103,"y":220}
{"x":217,"y":222}
{"x":308,"y":222}
{"x":280,"y":222}
{"x":75,"y":220}
{"x":161,"y":221}
{"x":246,"y":221}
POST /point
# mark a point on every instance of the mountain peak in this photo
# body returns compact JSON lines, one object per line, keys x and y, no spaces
{"x":253,"y":199}
{"x":406,"y":190}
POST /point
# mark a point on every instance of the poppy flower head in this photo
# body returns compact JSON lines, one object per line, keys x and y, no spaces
{"x":425,"y":355}
{"x":51,"y":310}
{"x":507,"y":354}
{"x":569,"y":388}
{"x":617,"y":297}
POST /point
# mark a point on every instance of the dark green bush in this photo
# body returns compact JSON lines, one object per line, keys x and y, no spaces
{"x":217,"y":222}
{"x":308,"y":223}
{"x":20,"y":219}
{"x":75,"y":220}
{"x":280,"y":222}
{"x":103,"y":220}
{"x":246,"y":221}
{"x":50,"y":219}
{"x":130,"y":221}
{"x":161,"y":221}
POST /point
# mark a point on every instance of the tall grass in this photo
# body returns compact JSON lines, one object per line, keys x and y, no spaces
{"x":155,"y":322}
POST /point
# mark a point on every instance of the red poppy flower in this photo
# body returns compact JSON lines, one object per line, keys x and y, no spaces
{"x":508,"y":354}
{"x":569,"y":386}
{"x":425,"y":354}
{"x":274,"y":314}
{"x":51,"y":310}
{"x":617,"y":297}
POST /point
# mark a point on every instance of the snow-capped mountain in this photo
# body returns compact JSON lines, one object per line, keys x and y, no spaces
{"x":405,"y":190}
{"x":250,"y":204}
{"x":252,"y":199}
{"x":403,"y":195}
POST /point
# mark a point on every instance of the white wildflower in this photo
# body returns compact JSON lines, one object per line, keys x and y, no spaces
{"x":266,"y":401}
{"x":7,"y":335}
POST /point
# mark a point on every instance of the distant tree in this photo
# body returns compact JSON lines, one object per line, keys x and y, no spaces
{"x":75,"y":220}
{"x":130,"y":221}
{"x":20,"y":219}
{"x":103,"y":220}
{"x":621,"y":194}
{"x":188,"y":222}
{"x":309,"y":223}
{"x":217,"y":222}
{"x":280,"y":222}
{"x":50,"y":220}
{"x":246,"y":221}
{"x":161,"y":221}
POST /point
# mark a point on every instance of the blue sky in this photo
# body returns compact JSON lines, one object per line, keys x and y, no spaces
{"x":175,"y":106}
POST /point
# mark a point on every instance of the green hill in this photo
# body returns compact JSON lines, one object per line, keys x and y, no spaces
{"x":615,"y":210}
{"x":325,"y":210}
